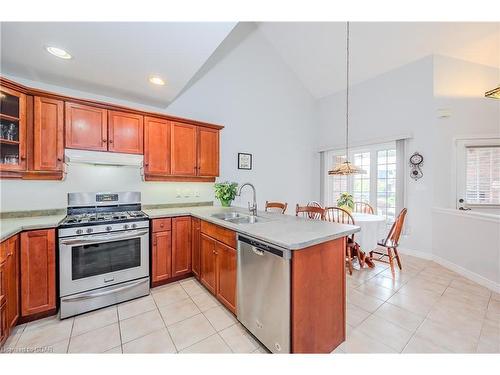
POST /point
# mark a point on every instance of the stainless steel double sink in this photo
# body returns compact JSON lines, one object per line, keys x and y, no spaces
{"x":239,"y":218}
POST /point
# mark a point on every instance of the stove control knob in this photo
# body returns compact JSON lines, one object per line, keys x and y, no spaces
{"x":125,"y":226}
{"x":89,"y":230}
{"x":109,"y":227}
{"x":79,"y":231}
{"x":134,"y":226}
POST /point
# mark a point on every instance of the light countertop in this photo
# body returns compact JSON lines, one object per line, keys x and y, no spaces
{"x":285,"y":231}
{"x":12,"y":226}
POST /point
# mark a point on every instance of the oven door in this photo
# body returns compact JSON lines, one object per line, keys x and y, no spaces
{"x":94,"y":261}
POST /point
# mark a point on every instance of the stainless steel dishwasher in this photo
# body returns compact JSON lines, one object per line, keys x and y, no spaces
{"x":263,"y":285}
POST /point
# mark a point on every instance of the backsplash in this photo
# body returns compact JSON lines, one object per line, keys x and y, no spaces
{"x":21,"y":195}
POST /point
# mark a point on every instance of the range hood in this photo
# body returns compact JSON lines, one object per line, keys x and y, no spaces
{"x":103,"y":158}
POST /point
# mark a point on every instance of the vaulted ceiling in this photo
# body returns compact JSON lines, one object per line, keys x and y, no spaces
{"x":116,"y":59}
{"x":316,"y":52}
{"x":112,"y":59}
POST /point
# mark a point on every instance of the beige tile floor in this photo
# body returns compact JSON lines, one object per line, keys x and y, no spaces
{"x":426,"y":308}
{"x":181,"y":317}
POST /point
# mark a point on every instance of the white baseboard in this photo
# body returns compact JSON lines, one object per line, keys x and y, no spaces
{"x":416,"y":253}
{"x":490,"y":284}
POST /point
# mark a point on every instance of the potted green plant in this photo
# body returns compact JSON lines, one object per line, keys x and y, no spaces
{"x":346,"y":201}
{"x":225,"y":192}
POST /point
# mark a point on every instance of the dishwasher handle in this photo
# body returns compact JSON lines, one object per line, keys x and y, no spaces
{"x":260,"y":248}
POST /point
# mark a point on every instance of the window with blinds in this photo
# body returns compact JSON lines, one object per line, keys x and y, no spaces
{"x":483,"y":175}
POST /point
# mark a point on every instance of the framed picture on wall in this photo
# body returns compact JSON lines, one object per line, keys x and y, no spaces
{"x":244,"y":161}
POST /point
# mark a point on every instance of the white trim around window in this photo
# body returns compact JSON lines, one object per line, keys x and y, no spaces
{"x":367,"y":187}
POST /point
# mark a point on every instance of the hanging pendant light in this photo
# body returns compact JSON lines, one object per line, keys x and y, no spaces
{"x":346,"y":168}
{"x":494,"y":94}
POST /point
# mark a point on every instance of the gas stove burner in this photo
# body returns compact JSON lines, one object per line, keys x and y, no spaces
{"x":104,"y":209}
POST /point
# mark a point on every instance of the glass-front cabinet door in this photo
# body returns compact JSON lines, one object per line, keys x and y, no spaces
{"x":12,"y":130}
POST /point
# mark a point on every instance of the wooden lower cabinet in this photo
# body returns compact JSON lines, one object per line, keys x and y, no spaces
{"x":161,"y":256}
{"x":195,"y":246}
{"x":12,"y":281}
{"x":181,"y":246}
{"x":208,"y":275}
{"x":218,"y":265}
{"x":9,"y":285}
{"x":38,"y":272}
{"x":4,"y":331}
{"x":226,"y":275}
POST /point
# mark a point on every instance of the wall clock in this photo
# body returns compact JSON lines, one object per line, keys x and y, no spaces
{"x":416,"y":163}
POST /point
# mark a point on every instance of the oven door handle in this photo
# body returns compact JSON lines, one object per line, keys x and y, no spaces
{"x":99,"y":239}
{"x":106,"y":292}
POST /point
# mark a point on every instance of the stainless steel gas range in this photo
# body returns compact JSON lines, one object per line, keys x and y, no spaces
{"x":103,"y":251}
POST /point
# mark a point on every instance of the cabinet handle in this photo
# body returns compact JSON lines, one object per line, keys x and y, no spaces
{"x":104,"y":140}
{"x":59,"y":159}
{"x":110,"y":141}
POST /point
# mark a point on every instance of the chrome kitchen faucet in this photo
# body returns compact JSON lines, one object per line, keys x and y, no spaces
{"x":253,"y":207}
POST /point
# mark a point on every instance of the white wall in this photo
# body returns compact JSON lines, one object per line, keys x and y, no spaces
{"x":459,"y":88}
{"x":266,"y":112}
{"x":465,"y":241}
{"x":468,"y":243}
{"x":392,"y":104}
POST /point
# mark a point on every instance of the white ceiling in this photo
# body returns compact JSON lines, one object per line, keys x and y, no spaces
{"x":116,"y":59}
{"x":112,"y":59}
{"x":316,"y":51}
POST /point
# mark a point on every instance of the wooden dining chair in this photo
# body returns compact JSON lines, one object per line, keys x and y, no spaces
{"x":313,"y":204}
{"x":391,"y":243}
{"x":310,"y":212}
{"x":364,"y":208}
{"x":339,"y":215}
{"x":276,"y":207}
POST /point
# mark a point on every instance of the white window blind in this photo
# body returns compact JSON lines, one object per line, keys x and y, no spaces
{"x":483,"y":175}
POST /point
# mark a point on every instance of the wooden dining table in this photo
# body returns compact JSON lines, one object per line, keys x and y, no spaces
{"x":372,"y":230}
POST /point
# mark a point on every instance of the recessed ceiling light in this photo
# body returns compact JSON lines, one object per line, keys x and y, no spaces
{"x":59,"y":52}
{"x":155,"y":80}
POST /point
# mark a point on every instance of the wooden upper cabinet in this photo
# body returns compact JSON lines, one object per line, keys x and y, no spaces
{"x":183,"y":149}
{"x":156,"y":146}
{"x":13,"y":130}
{"x":48,"y":132}
{"x":181,"y":245}
{"x":86,"y":127}
{"x":38,"y":271}
{"x":208,"y":152}
{"x":125,"y":132}
{"x":207,"y":263}
{"x":161,"y":256}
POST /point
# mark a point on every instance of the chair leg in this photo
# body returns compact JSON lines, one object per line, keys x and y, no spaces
{"x":361,"y":256}
{"x":349,"y":260}
{"x":397,"y":258}
{"x":391,"y":261}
